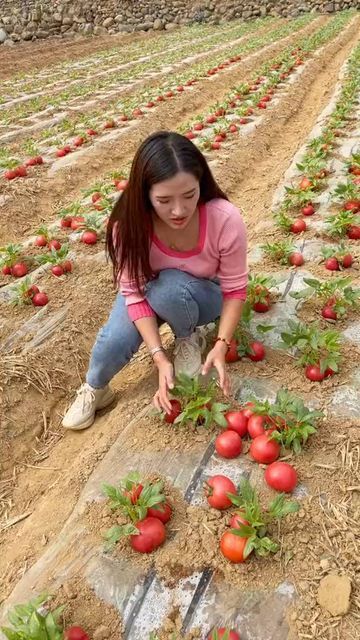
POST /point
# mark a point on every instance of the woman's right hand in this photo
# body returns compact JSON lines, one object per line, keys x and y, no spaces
{"x":166,"y":382}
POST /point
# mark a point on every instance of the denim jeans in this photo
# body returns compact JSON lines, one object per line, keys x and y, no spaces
{"x":177,"y":297}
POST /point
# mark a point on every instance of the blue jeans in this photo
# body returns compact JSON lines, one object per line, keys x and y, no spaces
{"x":177,"y":297}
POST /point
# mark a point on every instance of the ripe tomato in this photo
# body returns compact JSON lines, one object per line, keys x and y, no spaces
{"x":248,"y":409}
{"x":257,"y":351}
{"x":281,"y":476}
{"x":264,"y":450}
{"x":232,"y":353}
{"x":353,"y":232}
{"x":332,"y":264}
{"x":256,"y":426}
{"x":263,"y":306}
{"x":152,"y":534}
{"x":347,"y":261}
{"x":298,"y":226}
{"x":233,"y":547}
{"x":313,"y":373}
{"x":328,"y":313}
{"x":19,"y":270}
{"x":228,"y":444}
{"x":296,"y":259}
{"x":308,"y":210}
{"x":175,"y":412}
{"x":163,"y":512}
{"x":216,"y":490}
{"x":236,"y":421}
{"x":75,"y":633}
{"x":223,"y":633}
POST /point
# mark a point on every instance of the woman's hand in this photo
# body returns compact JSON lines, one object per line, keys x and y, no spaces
{"x":216,"y":358}
{"x":166,"y":382}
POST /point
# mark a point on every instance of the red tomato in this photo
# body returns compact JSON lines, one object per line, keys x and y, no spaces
{"x":54,"y":244}
{"x":19,"y":270}
{"x":262,"y":307}
{"x":313,"y":373}
{"x":237,"y":520}
{"x":163,"y":512}
{"x":216,"y":490}
{"x":247,"y":411}
{"x":332,"y":264}
{"x":152,"y":534}
{"x":75,"y":633}
{"x":256,"y":425}
{"x":298,"y":226}
{"x":257,"y":351}
{"x":89,"y":237}
{"x":281,"y":476}
{"x":40,"y":299}
{"x":175,"y":412}
{"x":232,"y":353}
{"x":233,"y":547}
{"x":347,"y":261}
{"x":264,"y":450}
{"x":223,"y":633}
{"x":237,"y":421}
{"x":228,"y":444}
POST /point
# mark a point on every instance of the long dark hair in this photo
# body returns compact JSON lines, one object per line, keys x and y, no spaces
{"x":160,"y":157}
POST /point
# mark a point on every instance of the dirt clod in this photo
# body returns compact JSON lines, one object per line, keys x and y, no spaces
{"x":334,"y":594}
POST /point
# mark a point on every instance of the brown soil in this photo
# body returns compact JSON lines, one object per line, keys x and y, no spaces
{"x":47,"y":194}
{"x":30,"y":56}
{"x":42,"y":464}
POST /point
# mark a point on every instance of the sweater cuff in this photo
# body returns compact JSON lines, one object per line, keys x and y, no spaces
{"x":139,"y":310}
{"x":238,"y":294}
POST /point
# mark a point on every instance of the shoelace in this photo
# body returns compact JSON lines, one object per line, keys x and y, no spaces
{"x":86,"y":393}
{"x":185,"y":348}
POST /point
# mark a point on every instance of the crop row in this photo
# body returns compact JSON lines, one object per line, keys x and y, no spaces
{"x":120,"y":114}
{"x":125,"y":60}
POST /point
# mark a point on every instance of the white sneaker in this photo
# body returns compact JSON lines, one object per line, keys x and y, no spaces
{"x":81,"y":414}
{"x":187,"y":354}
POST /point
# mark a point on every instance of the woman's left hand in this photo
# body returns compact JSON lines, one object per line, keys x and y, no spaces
{"x":216,"y":358}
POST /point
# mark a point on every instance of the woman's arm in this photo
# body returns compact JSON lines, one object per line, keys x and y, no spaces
{"x":229,"y":319}
{"x":149,"y":331}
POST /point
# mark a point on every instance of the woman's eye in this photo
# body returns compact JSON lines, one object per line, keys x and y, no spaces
{"x":163,"y":201}
{"x":189,"y":197}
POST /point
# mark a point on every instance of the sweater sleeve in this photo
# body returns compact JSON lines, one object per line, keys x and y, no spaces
{"x":137,"y":306}
{"x":233,"y":271}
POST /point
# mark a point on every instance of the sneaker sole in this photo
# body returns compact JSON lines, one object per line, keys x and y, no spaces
{"x":90,"y":421}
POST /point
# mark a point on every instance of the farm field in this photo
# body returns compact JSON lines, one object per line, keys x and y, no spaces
{"x":275,"y":107}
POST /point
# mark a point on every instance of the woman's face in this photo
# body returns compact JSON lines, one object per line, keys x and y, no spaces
{"x":175,"y":200}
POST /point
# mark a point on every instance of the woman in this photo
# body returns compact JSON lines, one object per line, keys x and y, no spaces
{"x":178,"y":249}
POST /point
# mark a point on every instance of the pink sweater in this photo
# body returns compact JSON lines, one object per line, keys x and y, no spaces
{"x":220,"y":252}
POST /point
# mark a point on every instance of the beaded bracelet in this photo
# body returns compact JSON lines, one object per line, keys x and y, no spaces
{"x":227,"y":342}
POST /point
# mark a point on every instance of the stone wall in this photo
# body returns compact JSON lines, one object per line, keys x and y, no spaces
{"x":36,"y":19}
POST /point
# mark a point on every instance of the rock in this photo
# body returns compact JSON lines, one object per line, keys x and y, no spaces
{"x":329,"y":7}
{"x":158,"y":24}
{"x":87,"y":29}
{"x":144,"y":26}
{"x":9,"y":43}
{"x":26,"y":35}
{"x":3,"y":35}
{"x":171,"y":26}
{"x":119,"y":18}
{"x":41,"y":34}
{"x":67,"y":20}
{"x":101,"y":633}
{"x":108,"y":22}
{"x":99,"y":30}
{"x":57,"y":17}
{"x":324,"y":564}
{"x":334,"y":594}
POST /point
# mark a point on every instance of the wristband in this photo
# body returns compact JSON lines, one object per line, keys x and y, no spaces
{"x":227,"y":342}
{"x":155,"y":350}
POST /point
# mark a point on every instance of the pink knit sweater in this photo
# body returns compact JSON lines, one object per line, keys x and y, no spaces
{"x":220,"y":252}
